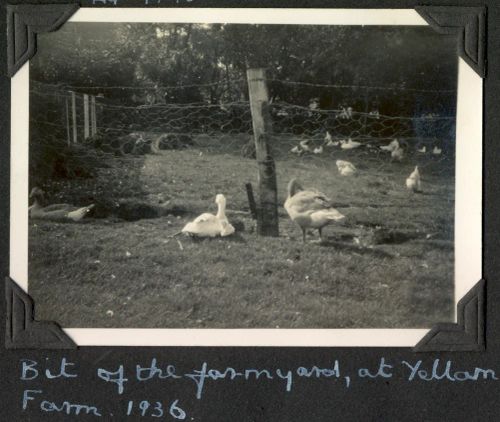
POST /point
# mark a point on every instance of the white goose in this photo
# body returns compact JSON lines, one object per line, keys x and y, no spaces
{"x":309,"y":208}
{"x":391,"y":147}
{"x":413,"y":181}
{"x":397,"y":154}
{"x":209,"y":225}
{"x":55,"y":212}
{"x":345,"y":168}
{"x":350,"y":144}
{"x":305,"y":145}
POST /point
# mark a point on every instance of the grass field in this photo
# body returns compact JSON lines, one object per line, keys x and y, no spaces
{"x":389,"y":266}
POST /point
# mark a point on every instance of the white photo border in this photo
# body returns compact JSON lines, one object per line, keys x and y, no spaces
{"x":468,"y":192}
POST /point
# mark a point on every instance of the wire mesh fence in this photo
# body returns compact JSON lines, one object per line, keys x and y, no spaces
{"x":76,"y":130}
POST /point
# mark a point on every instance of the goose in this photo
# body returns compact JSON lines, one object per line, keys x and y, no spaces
{"x":413,"y":181}
{"x":318,"y":150}
{"x":422,"y":150}
{"x":437,"y":151}
{"x":55,"y":212}
{"x":309,"y":208}
{"x":391,"y":147}
{"x":350,"y":144}
{"x":209,"y":225}
{"x":332,"y":143}
{"x":304,"y":145}
{"x":345,"y":168}
{"x":397,"y":154}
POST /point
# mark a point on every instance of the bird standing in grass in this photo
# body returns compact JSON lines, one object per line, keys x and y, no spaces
{"x":55,"y":212}
{"x":305,"y":145}
{"x":437,"y":151}
{"x":309,"y":208}
{"x":209,"y":225}
{"x":328,"y":140}
{"x":413,"y":181}
{"x":397,"y":154}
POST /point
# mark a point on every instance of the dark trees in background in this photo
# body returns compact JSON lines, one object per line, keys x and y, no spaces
{"x":162,"y":56}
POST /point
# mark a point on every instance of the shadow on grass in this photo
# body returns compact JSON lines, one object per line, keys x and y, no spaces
{"x":345,"y":247}
{"x":234,"y":238}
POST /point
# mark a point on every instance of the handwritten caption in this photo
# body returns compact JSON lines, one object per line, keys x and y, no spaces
{"x":204,"y":376}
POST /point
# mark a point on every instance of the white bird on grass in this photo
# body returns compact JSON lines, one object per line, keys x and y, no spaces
{"x":413,"y":181}
{"x":209,"y":225}
{"x":305,"y":145}
{"x":55,"y":212}
{"x":397,"y":154}
{"x":328,"y":138}
{"x":332,"y":143}
{"x":437,"y":151}
{"x":318,"y":150}
{"x":350,"y":144}
{"x":296,"y":150}
{"x":422,"y":150}
{"x":345,"y":168}
{"x":391,"y":147}
{"x":309,"y":208}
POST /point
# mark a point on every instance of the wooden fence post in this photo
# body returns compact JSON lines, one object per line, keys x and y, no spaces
{"x":86,"y":121}
{"x":68,"y":129}
{"x":93,"y":116}
{"x":267,"y":222}
{"x":73,"y":115}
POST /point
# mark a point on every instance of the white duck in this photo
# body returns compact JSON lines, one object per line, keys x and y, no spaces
{"x":318,"y":150}
{"x":437,"y":151}
{"x":350,"y":144}
{"x":55,"y":212}
{"x":345,"y":168}
{"x":209,"y":225}
{"x":422,"y":150}
{"x":305,"y":145}
{"x":332,"y":143}
{"x":391,"y":147}
{"x":309,"y":208}
{"x":397,"y":154}
{"x":296,"y":150}
{"x":328,"y":139}
{"x":413,"y":181}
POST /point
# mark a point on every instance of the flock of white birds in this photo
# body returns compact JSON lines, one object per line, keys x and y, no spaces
{"x":346,"y":168}
{"x":308,"y":208}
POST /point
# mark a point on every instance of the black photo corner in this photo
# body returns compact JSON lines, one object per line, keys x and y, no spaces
{"x":451,"y":374}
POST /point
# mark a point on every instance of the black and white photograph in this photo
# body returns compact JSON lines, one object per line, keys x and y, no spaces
{"x":223,"y":175}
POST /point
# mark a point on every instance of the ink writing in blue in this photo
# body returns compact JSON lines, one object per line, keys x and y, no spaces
{"x":30,"y":371}
{"x":446,"y":372}
{"x":152,"y":371}
{"x":63,"y":407}
{"x":116,"y":377}
{"x":384,"y":371}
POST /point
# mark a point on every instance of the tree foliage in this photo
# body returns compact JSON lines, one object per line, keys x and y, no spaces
{"x":189,"y":63}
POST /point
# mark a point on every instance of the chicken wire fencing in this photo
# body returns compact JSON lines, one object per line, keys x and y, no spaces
{"x":75,"y":130}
